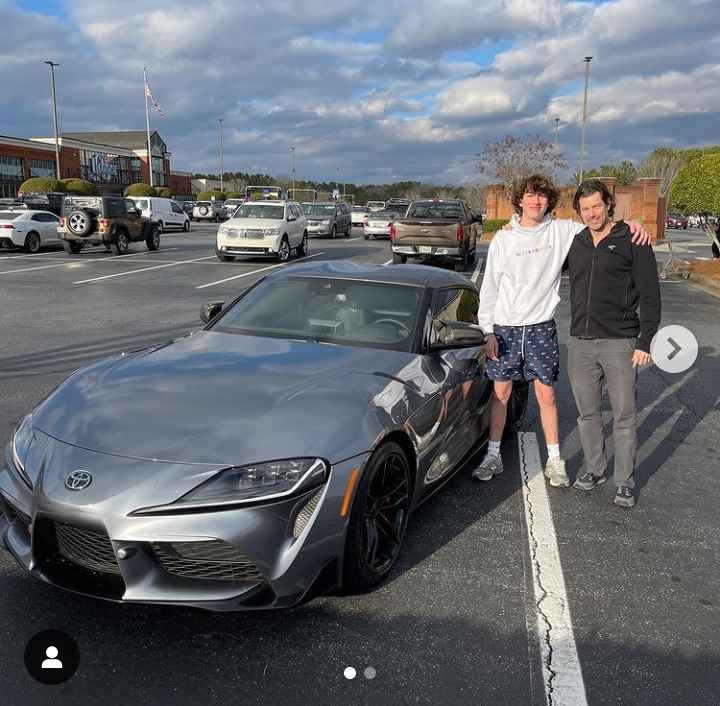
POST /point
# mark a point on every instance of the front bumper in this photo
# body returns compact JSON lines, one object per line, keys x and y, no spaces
{"x":229,"y":245}
{"x":319,"y":229}
{"x":426,"y":250}
{"x":377,"y":230}
{"x":101,"y":549}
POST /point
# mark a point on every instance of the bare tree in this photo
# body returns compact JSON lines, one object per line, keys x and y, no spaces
{"x":662,"y":163}
{"x":512,"y":159}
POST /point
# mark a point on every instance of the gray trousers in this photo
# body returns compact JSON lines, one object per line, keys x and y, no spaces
{"x":590,"y":362}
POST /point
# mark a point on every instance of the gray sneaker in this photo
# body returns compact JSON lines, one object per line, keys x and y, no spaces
{"x":624,"y":497}
{"x":555,"y":472}
{"x":587,"y":481}
{"x":490,"y":466}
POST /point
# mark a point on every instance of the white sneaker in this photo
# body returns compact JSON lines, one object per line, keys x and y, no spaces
{"x":490,"y":466}
{"x":555,"y":472}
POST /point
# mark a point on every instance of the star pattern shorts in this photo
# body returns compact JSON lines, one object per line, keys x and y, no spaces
{"x":526,"y":353}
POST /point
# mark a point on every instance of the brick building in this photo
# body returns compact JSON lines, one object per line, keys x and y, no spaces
{"x":110,"y":160}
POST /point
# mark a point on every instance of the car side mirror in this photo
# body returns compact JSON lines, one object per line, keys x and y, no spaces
{"x":447,"y":335}
{"x":210,"y":311}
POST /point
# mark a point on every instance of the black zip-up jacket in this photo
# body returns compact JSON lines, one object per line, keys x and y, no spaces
{"x":608,"y":283}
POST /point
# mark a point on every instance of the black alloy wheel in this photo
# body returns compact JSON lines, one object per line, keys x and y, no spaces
{"x":122,"y":243}
{"x":378,"y":519}
{"x":32,"y":242}
{"x":333,"y":233}
{"x":283,"y":253}
{"x":303,"y":247}
{"x":152,"y":239}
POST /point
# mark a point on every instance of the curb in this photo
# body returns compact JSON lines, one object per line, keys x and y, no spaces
{"x":709,"y":284}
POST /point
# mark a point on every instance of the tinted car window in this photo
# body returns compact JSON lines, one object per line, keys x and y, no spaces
{"x":435,"y":209}
{"x":320,"y":210}
{"x":456,"y":304}
{"x":261,"y":210}
{"x":8,"y":215}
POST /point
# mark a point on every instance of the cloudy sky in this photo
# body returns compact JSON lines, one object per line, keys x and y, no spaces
{"x":385,"y":90}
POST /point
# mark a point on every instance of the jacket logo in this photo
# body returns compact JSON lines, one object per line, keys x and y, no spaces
{"x":611,"y":247}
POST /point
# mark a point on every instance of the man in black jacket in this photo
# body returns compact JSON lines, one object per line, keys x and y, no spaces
{"x":610,"y":277}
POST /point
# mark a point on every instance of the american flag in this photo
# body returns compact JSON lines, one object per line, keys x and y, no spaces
{"x":149,"y":94}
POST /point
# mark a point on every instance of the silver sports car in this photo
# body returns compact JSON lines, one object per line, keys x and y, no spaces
{"x":270,"y":456}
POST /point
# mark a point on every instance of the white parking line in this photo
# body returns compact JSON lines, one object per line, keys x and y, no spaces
{"x":478,"y":267}
{"x":389,"y":262}
{"x":44,"y":256}
{"x":562,"y":674}
{"x":252,"y":272}
{"x":30,"y":269}
{"x":143,"y":269}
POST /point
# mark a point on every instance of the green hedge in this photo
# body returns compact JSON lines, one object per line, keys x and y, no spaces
{"x":163,"y":192}
{"x":235,"y":195}
{"x":207,"y":195}
{"x":139,"y":189}
{"x":79,"y":187}
{"x":41,"y":185}
{"x":493,"y":225}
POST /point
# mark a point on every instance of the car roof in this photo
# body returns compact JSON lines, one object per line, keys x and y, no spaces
{"x":273,"y":202}
{"x":416,"y":275}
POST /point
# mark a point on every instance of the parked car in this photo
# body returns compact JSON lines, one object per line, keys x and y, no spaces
{"x":375,"y":205}
{"x":165,"y":212}
{"x":28,"y":229}
{"x":378,"y":223}
{"x":328,"y":218}
{"x":188,"y":207}
{"x":231,"y":205}
{"x":112,"y":221}
{"x":197,"y":473}
{"x":51,"y":201}
{"x":263,"y":229}
{"x":676,"y":220}
{"x":209,"y":211}
{"x":358,"y":215}
{"x":437,"y":229}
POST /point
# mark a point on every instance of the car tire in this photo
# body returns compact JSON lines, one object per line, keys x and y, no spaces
{"x":222,"y":256}
{"x":152,"y":237}
{"x":283,"y":254}
{"x":303,"y":247}
{"x":108,"y":247}
{"x":161,"y":226}
{"x":32,"y":242}
{"x":517,"y":406}
{"x":348,"y":232}
{"x":399,"y":259}
{"x":715,"y":251}
{"x":333,"y":233}
{"x":366,"y":236}
{"x":186,"y":226}
{"x":81,"y":222}
{"x":121,"y":243}
{"x":72,"y":247}
{"x":387,"y":469}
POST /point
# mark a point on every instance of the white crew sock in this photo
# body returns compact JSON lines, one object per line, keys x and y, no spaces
{"x":494,"y":449}
{"x":553,"y":450}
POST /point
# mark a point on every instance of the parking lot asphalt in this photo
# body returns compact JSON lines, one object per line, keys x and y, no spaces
{"x":460,"y":620}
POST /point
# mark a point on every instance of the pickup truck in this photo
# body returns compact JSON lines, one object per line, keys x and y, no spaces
{"x":436,"y":229}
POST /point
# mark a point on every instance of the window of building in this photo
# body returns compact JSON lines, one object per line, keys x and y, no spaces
{"x":11,"y":168}
{"x":158,"y":166}
{"x":42,"y":168}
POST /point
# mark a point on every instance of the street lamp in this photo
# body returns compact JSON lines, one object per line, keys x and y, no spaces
{"x":292,"y":171}
{"x":220,"y":126}
{"x":55,"y":120}
{"x":587,"y":61}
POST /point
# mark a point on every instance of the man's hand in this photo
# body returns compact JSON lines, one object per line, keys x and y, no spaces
{"x":639,"y":235}
{"x":491,"y":347}
{"x":640,"y":359}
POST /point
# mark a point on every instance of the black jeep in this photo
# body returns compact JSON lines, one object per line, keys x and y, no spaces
{"x":112,"y":221}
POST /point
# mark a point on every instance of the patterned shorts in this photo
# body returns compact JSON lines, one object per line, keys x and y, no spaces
{"x":526,"y":353}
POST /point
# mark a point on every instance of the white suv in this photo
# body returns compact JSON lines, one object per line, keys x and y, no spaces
{"x":263,"y":228}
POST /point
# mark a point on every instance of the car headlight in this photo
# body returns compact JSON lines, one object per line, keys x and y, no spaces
{"x":22,"y":438}
{"x":324,"y":223}
{"x":272,"y":479}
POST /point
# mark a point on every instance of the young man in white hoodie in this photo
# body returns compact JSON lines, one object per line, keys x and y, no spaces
{"x":518,"y":298}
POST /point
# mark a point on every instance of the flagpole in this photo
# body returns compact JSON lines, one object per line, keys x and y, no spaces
{"x":147,"y":122}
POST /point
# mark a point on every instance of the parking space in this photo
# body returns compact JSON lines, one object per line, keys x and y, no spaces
{"x":460,"y":621}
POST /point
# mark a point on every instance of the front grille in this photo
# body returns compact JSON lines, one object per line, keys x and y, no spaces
{"x":252,"y":234}
{"x":211,"y":559}
{"x":87,"y":548}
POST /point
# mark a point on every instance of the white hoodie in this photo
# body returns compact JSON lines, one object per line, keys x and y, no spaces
{"x":522,"y":274}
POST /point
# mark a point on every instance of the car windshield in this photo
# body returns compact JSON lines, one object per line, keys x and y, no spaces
{"x":339,"y":311}
{"x":260,"y":210}
{"x":320,"y":210}
{"x":141,"y":203}
{"x":435,"y":209}
{"x":396,"y":208}
{"x":204,"y":203}
{"x":8,"y":215}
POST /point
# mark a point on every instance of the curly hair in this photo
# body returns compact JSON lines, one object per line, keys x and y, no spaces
{"x":539,"y":184}
{"x":594,"y":186}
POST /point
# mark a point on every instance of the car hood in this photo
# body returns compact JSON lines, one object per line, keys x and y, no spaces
{"x":232,"y":399}
{"x":254,"y":223}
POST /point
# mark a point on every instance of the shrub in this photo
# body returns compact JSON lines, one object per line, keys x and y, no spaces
{"x":163,"y":192}
{"x":207,"y":196}
{"x":79,"y":187}
{"x":493,"y":225}
{"x":139,"y":189}
{"x":235,"y":194}
{"x":41,"y":185}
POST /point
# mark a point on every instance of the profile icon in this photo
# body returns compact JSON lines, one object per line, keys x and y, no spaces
{"x":52,"y":657}
{"x":52,"y":662}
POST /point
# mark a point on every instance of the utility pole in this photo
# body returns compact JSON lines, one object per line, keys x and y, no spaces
{"x":220,"y":126}
{"x":587,"y":61}
{"x":292,"y":171}
{"x":55,"y":120}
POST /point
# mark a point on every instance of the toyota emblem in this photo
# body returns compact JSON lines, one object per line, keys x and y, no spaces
{"x":78,"y":480}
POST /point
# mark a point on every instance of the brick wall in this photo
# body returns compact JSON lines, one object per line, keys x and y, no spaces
{"x":640,"y":201}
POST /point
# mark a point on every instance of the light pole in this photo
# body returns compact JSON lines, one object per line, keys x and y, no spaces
{"x":292,"y":171}
{"x":220,"y":126}
{"x":55,"y":120}
{"x":587,"y":61}
{"x":557,"y":132}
